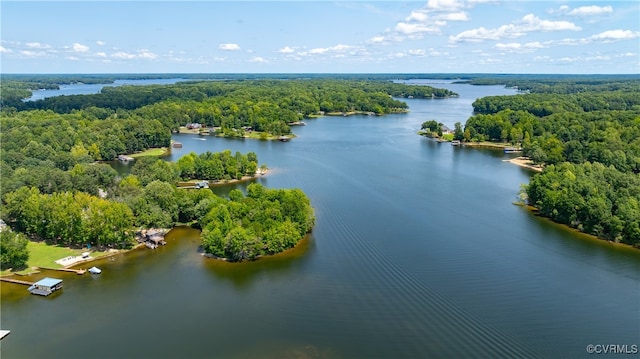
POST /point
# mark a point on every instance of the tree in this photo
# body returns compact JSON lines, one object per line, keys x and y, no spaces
{"x":13,"y":250}
{"x":458,"y":134}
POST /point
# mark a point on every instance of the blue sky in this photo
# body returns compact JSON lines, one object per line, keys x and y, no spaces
{"x":434,"y":36}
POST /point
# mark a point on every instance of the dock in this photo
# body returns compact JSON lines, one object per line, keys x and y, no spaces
{"x":76,"y":271}
{"x":16,"y":281}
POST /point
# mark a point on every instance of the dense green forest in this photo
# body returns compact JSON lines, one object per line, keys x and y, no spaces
{"x":266,"y":221}
{"x":587,"y":134}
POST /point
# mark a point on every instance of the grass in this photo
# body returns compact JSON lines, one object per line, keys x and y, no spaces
{"x":45,"y":255}
{"x":151,"y":152}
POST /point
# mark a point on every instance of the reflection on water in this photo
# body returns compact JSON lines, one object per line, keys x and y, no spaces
{"x":417,"y":252}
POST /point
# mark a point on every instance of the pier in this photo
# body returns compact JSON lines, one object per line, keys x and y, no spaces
{"x":76,"y":271}
{"x":16,"y":281}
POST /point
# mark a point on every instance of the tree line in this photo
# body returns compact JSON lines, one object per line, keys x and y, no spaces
{"x":588,"y":137}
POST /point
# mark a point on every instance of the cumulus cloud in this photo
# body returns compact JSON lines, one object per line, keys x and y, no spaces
{"x":518,"y":47}
{"x":29,"y":53}
{"x":443,"y":5}
{"x":37,"y":45}
{"x":337,"y":48}
{"x":229,"y":47}
{"x":615,"y":35}
{"x":100,"y":43}
{"x":415,"y":28}
{"x":4,"y":50}
{"x":529,"y":23}
{"x":591,"y":10}
{"x":258,"y":59}
{"x":140,"y":54}
{"x":286,"y":50}
{"x":79,"y":47}
{"x":417,"y":15}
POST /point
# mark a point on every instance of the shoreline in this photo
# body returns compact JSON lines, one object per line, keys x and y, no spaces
{"x":583,"y":236}
{"x":525,"y":162}
{"x":192,"y":182}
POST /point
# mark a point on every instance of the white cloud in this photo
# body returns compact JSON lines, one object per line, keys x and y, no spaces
{"x":3,"y":50}
{"x":529,"y":23}
{"x":286,"y":50}
{"x":377,"y":39}
{"x":123,"y":55}
{"x":29,"y":53}
{"x":614,"y":35}
{"x":258,"y":59}
{"x":591,"y":10}
{"x":518,"y":47}
{"x":101,"y":54}
{"x":79,"y":47}
{"x":37,"y":45}
{"x":417,"y":52}
{"x":335,"y":49}
{"x":229,"y":47}
{"x":415,"y":28}
{"x":100,"y":43}
{"x":420,"y":16}
{"x":141,"y":54}
{"x":454,"y":16}
{"x":146,"y":54}
{"x":443,"y":5}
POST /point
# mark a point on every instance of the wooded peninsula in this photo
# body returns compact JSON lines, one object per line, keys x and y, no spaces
{"x":586,"y":135}
{"x":56,"y":187}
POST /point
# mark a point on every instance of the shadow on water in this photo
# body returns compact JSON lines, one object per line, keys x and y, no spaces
{"x":279,"y":265}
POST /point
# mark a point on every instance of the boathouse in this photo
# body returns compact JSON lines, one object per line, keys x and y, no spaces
{"x":45,"y":286}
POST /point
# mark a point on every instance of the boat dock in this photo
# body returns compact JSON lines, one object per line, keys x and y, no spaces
{"x":16,"y":281}
{"x":76,"y":271}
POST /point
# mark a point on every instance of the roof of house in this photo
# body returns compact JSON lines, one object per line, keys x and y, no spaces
{"x":48,"y":282}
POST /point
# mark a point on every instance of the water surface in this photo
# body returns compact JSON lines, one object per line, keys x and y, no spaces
{"x":418,"y":251}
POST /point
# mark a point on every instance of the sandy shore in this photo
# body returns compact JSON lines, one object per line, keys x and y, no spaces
{"x":526,"y":163}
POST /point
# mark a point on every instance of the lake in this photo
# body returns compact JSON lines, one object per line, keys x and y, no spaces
{"x":418,"y":251}
{"x":90,"y":89}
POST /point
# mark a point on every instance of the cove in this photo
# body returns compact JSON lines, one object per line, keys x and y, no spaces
{"x":417,"y":251}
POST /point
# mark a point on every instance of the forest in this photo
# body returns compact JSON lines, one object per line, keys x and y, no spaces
{"x":587,"y":136}
{"x":56,"y":186}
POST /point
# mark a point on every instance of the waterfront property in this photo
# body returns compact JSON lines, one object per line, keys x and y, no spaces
{"x":125,"y":158}
{"x":46,"y":286}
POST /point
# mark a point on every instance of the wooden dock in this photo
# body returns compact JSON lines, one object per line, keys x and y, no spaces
{"x":16,"y":281}
{"x":76,"y":271}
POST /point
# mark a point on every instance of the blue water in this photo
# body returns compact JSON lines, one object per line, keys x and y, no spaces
{"x":417,"y":252}
{"x":90,"y":89}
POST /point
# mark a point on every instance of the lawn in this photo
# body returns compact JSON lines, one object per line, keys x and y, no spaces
{"x":151,"y":152}
{"x":44,"y":255}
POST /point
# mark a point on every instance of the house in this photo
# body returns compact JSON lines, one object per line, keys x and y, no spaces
{"x":3,"y":225}
{"x":446,"y":130}
{"x":194,"y":126}
{"x":46,"y":286}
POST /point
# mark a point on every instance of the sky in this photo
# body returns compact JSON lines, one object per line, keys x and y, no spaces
{"x":434,"y":36}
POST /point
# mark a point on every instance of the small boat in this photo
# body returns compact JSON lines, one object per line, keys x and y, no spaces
{"x":95,"y":270}
{"x":455,"y":143}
